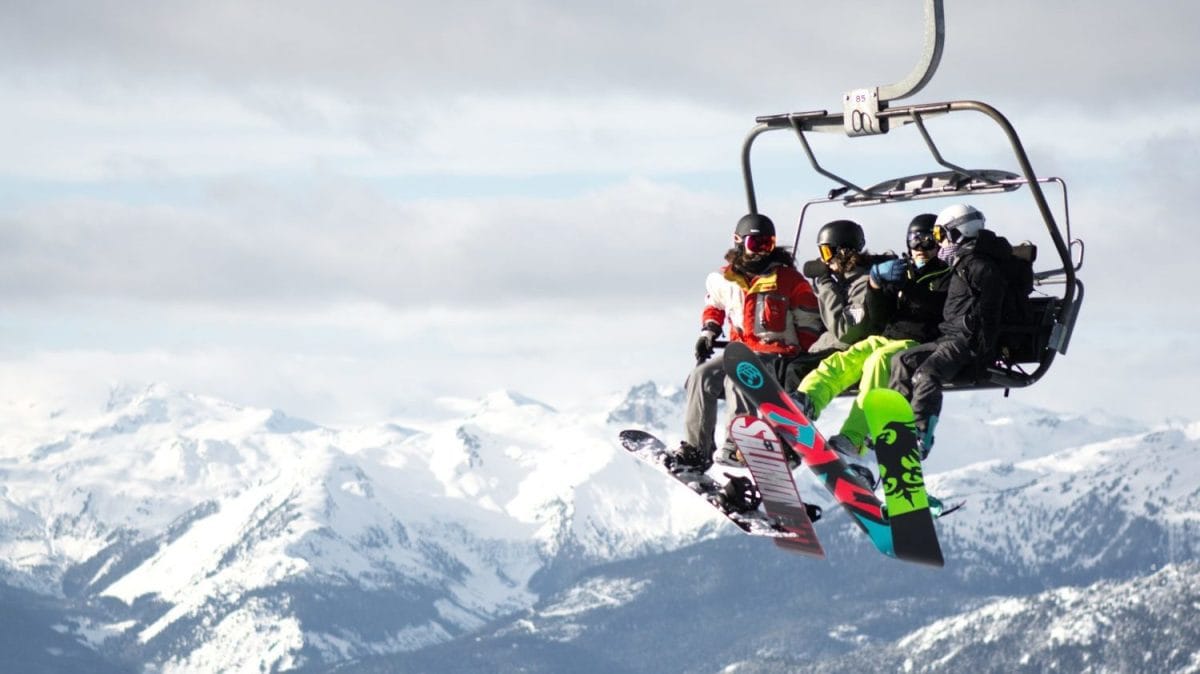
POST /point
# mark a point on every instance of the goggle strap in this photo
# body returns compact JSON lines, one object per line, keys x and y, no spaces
{"x":961,"y":220}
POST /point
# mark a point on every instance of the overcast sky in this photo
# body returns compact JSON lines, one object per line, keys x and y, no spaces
{"x":347,"y":211}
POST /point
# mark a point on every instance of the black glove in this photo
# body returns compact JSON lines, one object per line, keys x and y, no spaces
{"x":815,"y":269}
{"x":704,"y":343}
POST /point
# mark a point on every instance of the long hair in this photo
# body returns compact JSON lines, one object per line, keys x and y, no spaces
{"x":849,"y":259}
{"x":757,"y":264}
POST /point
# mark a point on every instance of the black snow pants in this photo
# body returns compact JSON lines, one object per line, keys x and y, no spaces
{"x":920,"y":373}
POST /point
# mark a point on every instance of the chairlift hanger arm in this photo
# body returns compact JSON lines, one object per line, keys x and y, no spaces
{"x":915,"y":81}
{"x":931,"y":56}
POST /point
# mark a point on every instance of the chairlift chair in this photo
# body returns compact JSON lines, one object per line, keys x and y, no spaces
{"x":1031,"y":347}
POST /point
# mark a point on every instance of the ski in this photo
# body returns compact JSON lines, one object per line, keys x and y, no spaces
{"x":894,"y":439}
{"x":775,"y":407}
{"x":765,"y":456}
{"x":756,"y":522}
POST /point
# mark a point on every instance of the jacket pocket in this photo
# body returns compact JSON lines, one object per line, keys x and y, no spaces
{"x":771,"y":316}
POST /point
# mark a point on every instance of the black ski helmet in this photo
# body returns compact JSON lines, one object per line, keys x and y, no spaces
{"x":754,"y":224}
{"x":921,"y":224}
{"x":842,"y":234}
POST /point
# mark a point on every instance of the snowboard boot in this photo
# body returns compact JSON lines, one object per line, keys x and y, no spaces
{"x":843,"y":446}
{"x":793,"y":458}
{"x":689,"y":458}
{"x":925,"y":435}
{"x":850,"y":454}
{"x":728,"y":455}
{"x":804,"y":403}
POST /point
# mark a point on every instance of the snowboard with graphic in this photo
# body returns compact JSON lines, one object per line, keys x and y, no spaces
{"x":775,"y":407}
{"x":894,"y":439}
{"x":765,"y":456}
{"x":787,"y":533}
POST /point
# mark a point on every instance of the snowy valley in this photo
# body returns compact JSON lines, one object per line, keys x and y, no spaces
{"x":181,"y":533}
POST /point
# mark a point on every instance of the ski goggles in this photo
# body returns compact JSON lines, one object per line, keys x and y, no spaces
{"x":758,"y":243}
{"x":827,"y":251}
{"x":921,"y":241}
{"x":941,"y":234}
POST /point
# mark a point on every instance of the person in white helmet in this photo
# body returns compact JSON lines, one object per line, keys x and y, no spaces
{"x":970,"y":318}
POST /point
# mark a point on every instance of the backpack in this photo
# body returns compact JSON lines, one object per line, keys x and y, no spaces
{"x":1018,"y":284}
{"x":1019,"y":339}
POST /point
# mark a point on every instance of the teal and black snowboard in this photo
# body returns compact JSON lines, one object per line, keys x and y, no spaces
{"x":894,"y":439}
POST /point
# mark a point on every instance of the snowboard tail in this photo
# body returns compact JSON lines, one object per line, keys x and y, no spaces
{"x":894,"y":439}
{"x":767,"y":460}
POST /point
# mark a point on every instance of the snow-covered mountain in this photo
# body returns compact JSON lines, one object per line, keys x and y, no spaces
{"x":1142,"y":625}
{"x":185,"y":533}
{"x":1082,"y":522}
{"x":224,"y":537}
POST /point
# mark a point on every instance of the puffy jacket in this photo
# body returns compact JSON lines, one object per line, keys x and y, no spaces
{"x":976,"y":293}
{"x":848,"y":310}
{"x":917,"y":304}
{"x":772,"y":312}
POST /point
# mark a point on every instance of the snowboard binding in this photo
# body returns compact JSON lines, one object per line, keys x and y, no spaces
{"x":739,"y":495}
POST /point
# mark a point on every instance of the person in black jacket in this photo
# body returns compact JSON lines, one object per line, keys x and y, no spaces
{"x":970,"y":320}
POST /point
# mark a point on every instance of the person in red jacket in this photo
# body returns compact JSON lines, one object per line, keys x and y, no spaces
{"x":768,"y":305}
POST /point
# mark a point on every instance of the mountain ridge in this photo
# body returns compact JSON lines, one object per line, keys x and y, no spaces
{"x":243,"y":538}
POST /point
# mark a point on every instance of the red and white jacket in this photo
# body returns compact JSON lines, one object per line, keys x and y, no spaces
{"x":773,"y":312}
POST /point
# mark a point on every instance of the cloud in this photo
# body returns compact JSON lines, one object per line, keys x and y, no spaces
{"x":295,"y":199}
{"x":350,"y":363}
{"x":159,"y":137}
{"x":768,"y":54}
{"x":248,"y":243}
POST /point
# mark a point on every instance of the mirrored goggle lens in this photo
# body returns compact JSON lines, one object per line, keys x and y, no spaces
{"x":759,"y":243}
{"x":922,"y":241}
{"x":826,"y":251}
{"x":941,"y":233}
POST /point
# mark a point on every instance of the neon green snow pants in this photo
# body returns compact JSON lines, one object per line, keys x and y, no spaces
{"x":867,"y":362}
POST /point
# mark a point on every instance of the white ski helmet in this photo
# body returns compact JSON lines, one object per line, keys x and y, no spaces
{"x":958,"y":222}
